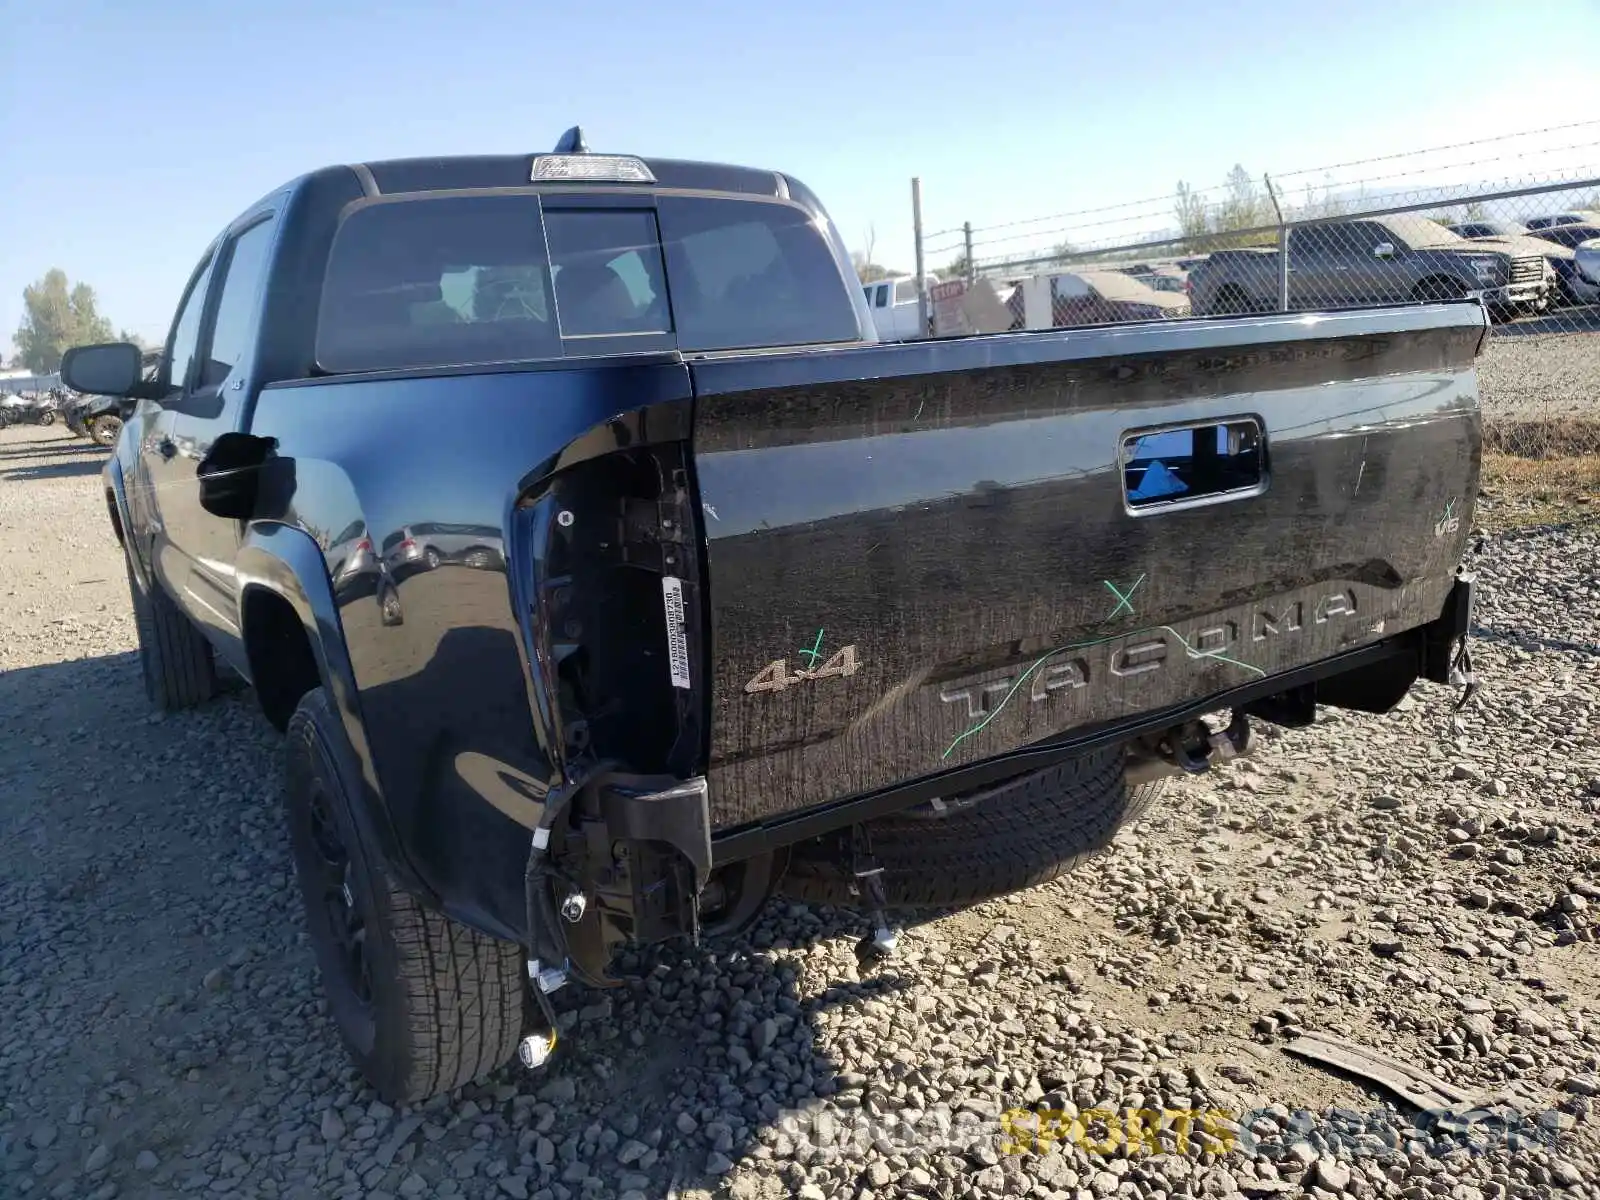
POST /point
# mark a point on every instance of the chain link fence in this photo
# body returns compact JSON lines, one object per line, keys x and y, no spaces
{"x":1526,"y":245}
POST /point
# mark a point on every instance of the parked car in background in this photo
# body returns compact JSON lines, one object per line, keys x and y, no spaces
{"x":1575,"y":289}
{"x":432,"y":544}
{"x":1586,"y":262}
{"x":1553,"y":243}
{"x":1570,"y":236}
{"x":1582,"y":216}
{"x":1099,"y":297}
{"x":895,"y":308}
{"x":1487,"y":229}
{"x":1376,"y":260}
{"x":1162,"y":277}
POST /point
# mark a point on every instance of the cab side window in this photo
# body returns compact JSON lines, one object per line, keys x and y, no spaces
{"x":236,"y":306}
{"x":185,"y":337}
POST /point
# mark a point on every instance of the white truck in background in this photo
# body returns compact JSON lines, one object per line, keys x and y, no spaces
{"x":894,"y":306}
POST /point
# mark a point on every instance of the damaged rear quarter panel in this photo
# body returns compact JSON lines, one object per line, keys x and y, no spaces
{"x":461,"y":743}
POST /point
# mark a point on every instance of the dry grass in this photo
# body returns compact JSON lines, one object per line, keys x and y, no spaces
{"x":1543,"y":438}
{"x":1518,"y":491}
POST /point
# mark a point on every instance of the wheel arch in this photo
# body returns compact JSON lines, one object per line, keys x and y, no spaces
{"x":294,"y":642}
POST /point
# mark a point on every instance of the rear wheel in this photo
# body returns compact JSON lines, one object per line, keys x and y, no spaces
{"x":174,"y":656}
{"x":969,"y":848}
{"x":105,"y":429}
{"x":423,"y":1004}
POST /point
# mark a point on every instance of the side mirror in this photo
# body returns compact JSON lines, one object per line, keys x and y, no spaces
{"x":1383,"y":250}
{"x":111,"y":369}
{"x":230,"y":475}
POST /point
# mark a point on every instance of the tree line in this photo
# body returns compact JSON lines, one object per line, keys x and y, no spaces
{"x":57,"y":315}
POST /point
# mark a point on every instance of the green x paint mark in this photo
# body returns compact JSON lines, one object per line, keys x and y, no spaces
{"x":1124,"y":599}
{"x":816,"y":651}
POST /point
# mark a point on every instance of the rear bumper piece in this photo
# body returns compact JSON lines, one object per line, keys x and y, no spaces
{"x":1373,"y":679}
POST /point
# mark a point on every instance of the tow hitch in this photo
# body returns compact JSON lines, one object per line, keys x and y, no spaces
{"x":1191,"y":748}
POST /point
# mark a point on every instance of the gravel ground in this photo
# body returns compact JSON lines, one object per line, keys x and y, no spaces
{"x":1556,"y":375}
{"x":1435,"y":895}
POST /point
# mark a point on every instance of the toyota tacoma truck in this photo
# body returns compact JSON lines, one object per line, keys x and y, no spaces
{"x":1378,"y":260}
{"x":747,"y":604}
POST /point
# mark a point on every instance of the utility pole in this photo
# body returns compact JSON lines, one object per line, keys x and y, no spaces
{"x":916,"y":232}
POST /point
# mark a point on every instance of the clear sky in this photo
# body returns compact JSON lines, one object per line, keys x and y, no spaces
{"x":132,"y":133}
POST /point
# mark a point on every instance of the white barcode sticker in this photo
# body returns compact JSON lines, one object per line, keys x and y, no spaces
{"x":677,"y":642}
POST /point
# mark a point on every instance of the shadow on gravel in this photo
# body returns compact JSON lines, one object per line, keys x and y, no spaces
{"x":42,"y":449}
{"x":151,"y":953}
{"x":56,"y":470}
{"x":1532,"y":641}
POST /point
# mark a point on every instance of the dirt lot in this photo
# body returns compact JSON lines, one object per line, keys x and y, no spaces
{"x":1433,"y":894}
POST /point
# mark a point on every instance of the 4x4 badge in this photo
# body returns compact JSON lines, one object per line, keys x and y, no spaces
{"x":776,"y":676}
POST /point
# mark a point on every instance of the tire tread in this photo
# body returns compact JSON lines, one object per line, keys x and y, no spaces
{"x":457,"y":1008}
{"x":1021,"y":835}
{"x":179,"y":670}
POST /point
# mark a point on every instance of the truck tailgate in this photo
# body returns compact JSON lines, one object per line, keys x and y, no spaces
{"x":924,"y":555}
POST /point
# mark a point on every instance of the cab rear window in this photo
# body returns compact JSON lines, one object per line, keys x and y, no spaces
{"x":424,"y":281}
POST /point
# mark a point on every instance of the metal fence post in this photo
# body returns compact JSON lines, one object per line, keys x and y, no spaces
{"x":966,"y":234}
{"x":1283,"y":247}
{"x":916,"y":232}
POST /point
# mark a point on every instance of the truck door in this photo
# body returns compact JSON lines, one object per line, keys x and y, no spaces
{"x":1374,"y":279}
{"x":153,"y":498}
{"x":215,"y":405}
{"x":1319,"y":267}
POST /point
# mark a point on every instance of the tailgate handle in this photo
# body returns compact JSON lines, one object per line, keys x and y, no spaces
{"x":1192,"y":464}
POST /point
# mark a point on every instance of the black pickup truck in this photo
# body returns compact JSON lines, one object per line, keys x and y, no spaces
{"x":607,"y":578}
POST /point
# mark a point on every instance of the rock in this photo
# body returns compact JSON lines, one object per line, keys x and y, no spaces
{"x":1582,"y":1085}
{"x":632,"y":1151}
{"x":43,"y":1137}
{"x":686,"y":1124}
{"x":559,"y":1091}
{"x":98,"y":1158}
{"x":765,"y":1034}
{"x":1565,"y":1173}
{"x":514,"y":1186}
{"x":332,"y":1125}
{"x":718,"y":1163}
{"x":1331,"y":1174}
{"x":1386,"y":803}
{"x":1302,"y":1153}
{"x":1466,"y":771}
{"x":1510,"y":855}
{"x":146,"y":1161}
{"x":811,"y":1191}
{"x":1573,"y":903}
{"x":215,"y":980}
